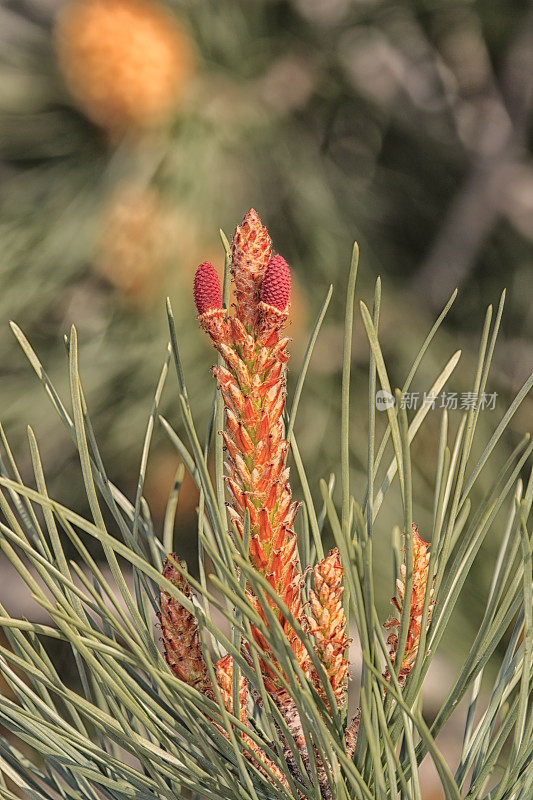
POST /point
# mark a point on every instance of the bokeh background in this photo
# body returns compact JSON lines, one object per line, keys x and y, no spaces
{"x":132,"y":130}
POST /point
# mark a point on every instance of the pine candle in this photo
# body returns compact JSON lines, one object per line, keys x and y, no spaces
{"x":252,"y":381}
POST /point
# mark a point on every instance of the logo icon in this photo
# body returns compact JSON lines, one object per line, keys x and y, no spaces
{"x":384,"y":400}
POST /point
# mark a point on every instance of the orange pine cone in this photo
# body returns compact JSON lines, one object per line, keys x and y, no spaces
{"x":420,"y":578}
{"x":252,"y":384}
{"x":327,"y":623}
{"x":181,"y":640}
{"x":125,"y":62}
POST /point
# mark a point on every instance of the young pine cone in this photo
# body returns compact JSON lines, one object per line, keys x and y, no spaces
{"x":420,"y":579}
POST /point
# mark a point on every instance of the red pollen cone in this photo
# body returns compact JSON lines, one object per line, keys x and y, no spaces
{"x":207,"y":291}
{"x":276,"y":287}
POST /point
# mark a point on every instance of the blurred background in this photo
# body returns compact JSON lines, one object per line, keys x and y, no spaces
{"x":132,"y":130}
